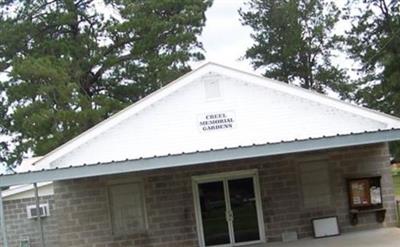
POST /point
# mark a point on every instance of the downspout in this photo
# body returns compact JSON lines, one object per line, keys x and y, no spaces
{"x":39,"y":219}
{"x":3,"y":221}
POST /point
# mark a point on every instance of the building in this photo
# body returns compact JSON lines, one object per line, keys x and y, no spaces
{"x":219,"y":157}
{"x":19,"y":202}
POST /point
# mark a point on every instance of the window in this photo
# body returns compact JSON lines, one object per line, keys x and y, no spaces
{"x":316,"y":185}
{"x":127,"y":208}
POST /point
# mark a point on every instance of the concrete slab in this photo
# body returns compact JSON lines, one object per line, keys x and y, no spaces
{"x":385,"y":237}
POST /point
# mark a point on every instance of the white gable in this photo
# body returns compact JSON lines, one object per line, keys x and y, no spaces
{"x":249,"y":109}
{"x":27,"y":165}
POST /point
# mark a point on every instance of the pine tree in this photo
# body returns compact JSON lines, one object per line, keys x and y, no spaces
{"x":72,"y":63}
{"x":294,"y":42}
{"x":374,"y":42}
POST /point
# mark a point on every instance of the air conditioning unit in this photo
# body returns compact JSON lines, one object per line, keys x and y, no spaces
{"x":43,"y":209}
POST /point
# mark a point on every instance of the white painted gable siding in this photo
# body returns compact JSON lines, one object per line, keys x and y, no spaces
{"x":262,"y":113}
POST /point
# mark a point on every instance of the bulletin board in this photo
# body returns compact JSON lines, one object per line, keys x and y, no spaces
{"x":365,"y":193}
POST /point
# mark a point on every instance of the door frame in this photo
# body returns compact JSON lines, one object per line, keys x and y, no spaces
{"x":224,"y":177}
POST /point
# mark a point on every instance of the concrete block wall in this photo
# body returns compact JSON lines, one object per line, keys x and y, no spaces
{"x":82,"y":207}
{"x":282,"y":195}
{"x":20,"y":227}
{"x":364,"y":161}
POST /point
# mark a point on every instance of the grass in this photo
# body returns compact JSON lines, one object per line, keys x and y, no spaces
{"x":396,"y":182}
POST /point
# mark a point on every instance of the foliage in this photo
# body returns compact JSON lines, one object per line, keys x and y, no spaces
{"x":396,"y":182}
{"x":395,"y":171}
{"x":73,"y":63}
{"x":374,"y":42}
{"x":293,"y":42}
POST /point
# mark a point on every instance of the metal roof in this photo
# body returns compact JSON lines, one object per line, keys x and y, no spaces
{"x":201,"y":157}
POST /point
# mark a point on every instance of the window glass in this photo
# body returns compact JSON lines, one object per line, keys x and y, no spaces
{"x":213,"y":212}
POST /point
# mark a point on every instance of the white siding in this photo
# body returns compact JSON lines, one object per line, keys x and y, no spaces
{"x":171,"y":124}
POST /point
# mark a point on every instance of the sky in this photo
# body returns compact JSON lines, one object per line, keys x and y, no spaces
{"x":224,"y":38}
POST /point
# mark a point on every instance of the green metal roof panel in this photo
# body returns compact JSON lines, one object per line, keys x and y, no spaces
{"x":184,"y":159}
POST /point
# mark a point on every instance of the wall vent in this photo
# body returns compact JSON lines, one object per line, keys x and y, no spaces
{"x":212,"y":89}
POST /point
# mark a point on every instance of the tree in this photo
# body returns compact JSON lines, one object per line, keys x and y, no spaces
{"x":72,"y":63}
{"x":293,"y":42}
{"x":374,"y":42}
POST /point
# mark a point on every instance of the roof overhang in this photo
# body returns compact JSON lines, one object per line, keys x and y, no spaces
{"x":20,"y":189}
{"x":184,"y":159}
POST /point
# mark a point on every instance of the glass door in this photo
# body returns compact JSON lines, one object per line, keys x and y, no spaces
{"x":213,"y":208}
{"x":244,"y":210}
{"x":229,"y":211}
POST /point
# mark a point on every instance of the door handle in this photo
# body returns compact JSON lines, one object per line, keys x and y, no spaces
{"x":229,"y":215}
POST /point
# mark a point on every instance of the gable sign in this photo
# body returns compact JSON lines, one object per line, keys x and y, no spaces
{"x":216,"y":121}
